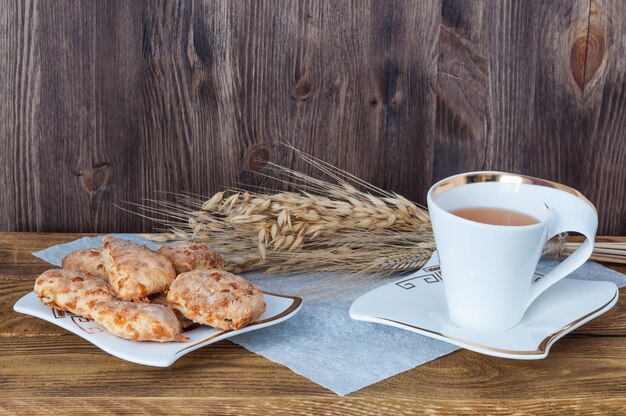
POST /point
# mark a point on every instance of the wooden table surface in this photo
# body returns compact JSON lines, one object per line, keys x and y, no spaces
{"x":46,"y":370}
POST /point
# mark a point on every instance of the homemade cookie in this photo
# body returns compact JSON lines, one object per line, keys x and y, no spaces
{"x":161,"y":299}
{"x":135,"y":271}
{"x":191,"y":255}
{"x":72,"y":290}
{"x":216,"y":298}
{"x":87,"y":260}
{"x":139,"y":321}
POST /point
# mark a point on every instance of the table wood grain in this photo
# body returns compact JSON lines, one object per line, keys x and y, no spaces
{"x":46,"y":370}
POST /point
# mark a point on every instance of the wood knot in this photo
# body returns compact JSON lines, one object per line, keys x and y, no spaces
{"x":587,"y":55}
{"x":257,"y":158}
{"x":92,"y":179}
{"x":302,"y":89}
{"x":596,"y":47}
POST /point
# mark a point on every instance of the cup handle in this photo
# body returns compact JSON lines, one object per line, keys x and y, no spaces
{"x":587,"y":227}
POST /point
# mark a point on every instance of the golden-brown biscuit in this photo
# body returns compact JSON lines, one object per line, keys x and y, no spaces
{"x":138,"y":321}
{"x":161,"y":299}
{"x":72,"y":290}
{"x":216,"y":298}
{"x":135,"y":271}
{"x":191,"y":255}
{"x":86,"y":260}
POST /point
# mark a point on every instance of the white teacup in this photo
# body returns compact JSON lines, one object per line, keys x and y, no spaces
{"x":488,"y":269}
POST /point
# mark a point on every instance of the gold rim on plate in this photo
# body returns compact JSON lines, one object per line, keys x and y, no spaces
{"x":541,"y":348}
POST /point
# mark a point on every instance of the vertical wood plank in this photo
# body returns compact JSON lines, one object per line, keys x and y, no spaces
{"x":215,"y":93}
{"x":389,"y":136}
{"x":67,"y":116}
{"x":462,"y":88}
{"x":311,"y":81}
{"x":600,"y":140}
{"x":19,"y":89}
{"x":114,"y":170}
{"x":165,"y":134}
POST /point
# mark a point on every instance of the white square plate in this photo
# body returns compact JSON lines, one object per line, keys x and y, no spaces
{"x":158,"y":354}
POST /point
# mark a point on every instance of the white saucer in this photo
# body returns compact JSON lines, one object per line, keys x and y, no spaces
{"x":417,"y":303}
{"x":158,"y":354}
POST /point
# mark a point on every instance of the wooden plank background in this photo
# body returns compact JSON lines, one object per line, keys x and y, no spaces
{"x":109,"y":101}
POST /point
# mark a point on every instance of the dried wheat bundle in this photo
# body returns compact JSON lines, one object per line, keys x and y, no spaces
{"x":328,"y":226}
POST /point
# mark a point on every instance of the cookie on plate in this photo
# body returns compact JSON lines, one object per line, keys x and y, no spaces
{"x":87,"y":260}
{"x":216,"y":298}
{"x":161,"y":299}
{"x":135,"y":271}
{"x":139,"y":321}
{"x":191,"y":255}
{"x":72,"y":290}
